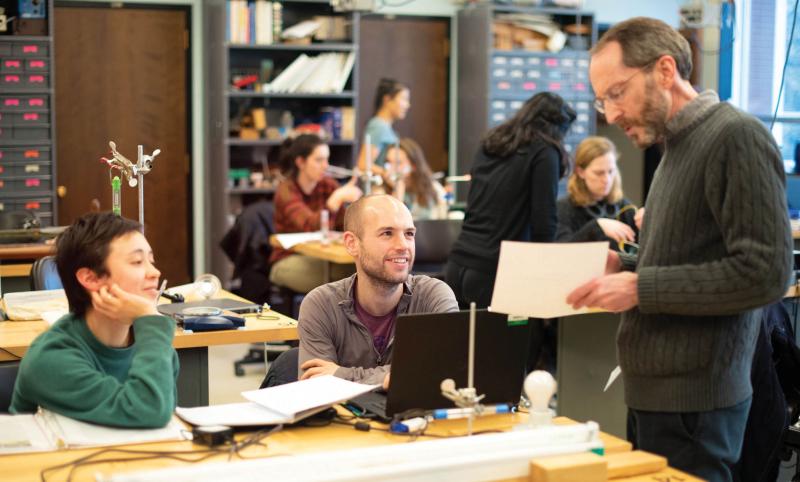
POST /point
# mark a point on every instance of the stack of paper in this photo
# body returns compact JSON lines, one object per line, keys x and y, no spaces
{"x":534,"y":279}
{"x":46,"y":431}
{"x":32,"y":305}
{"x":277,"y":405}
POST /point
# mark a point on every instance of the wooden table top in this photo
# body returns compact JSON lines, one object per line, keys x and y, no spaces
{"x":334,"y":251}
{"x":294,"y":440}
{"x":26,"y":250}
{"x":16,"y":336}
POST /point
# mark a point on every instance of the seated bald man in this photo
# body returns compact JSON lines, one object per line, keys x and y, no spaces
{"x":346,"y":327}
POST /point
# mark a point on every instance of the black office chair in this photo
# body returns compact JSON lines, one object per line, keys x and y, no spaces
{"x":247,"y":246}
{"x":434,"y":241}
{"x":283,"y":370}
{"x":44,"y":274}
{"x":8,"y":376}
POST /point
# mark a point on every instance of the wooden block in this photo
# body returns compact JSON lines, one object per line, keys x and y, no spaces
{"x":259,"y":118}
{"x":633,"y":463}
{"x":249,"y":134}
{"x":582,"y":467}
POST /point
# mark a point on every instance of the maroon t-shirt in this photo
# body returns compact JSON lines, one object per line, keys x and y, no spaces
{"x":381,"y":327}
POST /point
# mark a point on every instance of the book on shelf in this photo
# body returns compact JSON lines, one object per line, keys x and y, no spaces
{"x":46,"y":431}
{"x":253,"y":23}
{"x":277,"y":405}
{"x":326,"y":73}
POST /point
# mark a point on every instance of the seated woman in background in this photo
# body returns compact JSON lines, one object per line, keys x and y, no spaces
{"x":110,"y":360}
{"x":413,"y":181}
{"x":299,"y":200}
{"x":595,"y":209}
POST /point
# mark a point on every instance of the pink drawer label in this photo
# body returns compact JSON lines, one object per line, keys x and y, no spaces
{"x":32,"y":182}
{"x":36,"y":79}
{"x":30,"y":49}
{"x":551,"y":62}
{"x":11,"y":63}
{"x":555,"y":85}
{"x":11,"y":102}
{"x":35,"y":102}
{"x":32,"y":154}
{"x":529,"y":86}
{"x":36,"y":64}
{"x":30,"y":116}
{"x":33,"y":205}
{"x":11,"y":78}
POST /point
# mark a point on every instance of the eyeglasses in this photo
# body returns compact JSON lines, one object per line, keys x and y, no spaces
{"x":616,"y":94}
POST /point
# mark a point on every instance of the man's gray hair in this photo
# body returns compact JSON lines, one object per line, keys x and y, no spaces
{"x":644,"y":40}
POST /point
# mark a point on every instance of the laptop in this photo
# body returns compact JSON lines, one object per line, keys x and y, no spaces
{"x":429,"y":348}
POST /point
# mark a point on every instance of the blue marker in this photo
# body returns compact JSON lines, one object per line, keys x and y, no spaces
{"x":450,"y":413}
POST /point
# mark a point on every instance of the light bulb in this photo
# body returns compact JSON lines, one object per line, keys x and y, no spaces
{"x":539,"y":388}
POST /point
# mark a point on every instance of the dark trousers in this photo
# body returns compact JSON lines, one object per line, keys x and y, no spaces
{"x":470,"y":285}
{"x":704,"y":444}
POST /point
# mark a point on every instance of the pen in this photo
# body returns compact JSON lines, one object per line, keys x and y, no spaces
{"x":450,"y":413}
{"x":161,"y":290}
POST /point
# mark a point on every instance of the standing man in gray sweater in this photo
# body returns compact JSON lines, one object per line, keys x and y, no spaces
{"x":715,"y":246}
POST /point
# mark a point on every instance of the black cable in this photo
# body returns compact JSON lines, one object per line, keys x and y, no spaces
{"x":785,"y":64}
{"x":179,"y":455}
{"x":384,"y":3}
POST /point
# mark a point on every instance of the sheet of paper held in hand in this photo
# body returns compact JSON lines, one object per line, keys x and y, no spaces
{"x":534,"y":279}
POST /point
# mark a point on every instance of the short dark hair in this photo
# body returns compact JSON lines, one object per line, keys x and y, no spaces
{"x":545,"y":116}
{"x":644,"y":40}
{"x":292,"y":148}
{"x":386,"y":87}
{"x":85,"y":244}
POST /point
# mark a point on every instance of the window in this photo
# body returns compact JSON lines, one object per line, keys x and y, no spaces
{"x":761,"y":39}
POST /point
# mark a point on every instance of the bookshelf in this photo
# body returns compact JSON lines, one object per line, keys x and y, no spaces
{"x":27,"y":145}
{"x":498,"y":71}
{"x":253,"y":100}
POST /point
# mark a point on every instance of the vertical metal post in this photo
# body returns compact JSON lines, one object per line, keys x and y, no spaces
{"x":140,"y":177}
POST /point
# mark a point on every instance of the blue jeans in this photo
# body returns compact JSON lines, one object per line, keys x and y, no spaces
{"x":704,"y":444}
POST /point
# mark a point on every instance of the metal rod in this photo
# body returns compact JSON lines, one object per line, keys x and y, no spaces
{"x":140,"y":177}
{"x":471,"y":353}
{"x":368,"y":159}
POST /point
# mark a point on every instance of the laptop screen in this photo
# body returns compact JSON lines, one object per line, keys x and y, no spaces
{"x":429,"y":348}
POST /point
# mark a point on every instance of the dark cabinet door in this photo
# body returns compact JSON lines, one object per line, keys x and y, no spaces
{"x":122,"y":75}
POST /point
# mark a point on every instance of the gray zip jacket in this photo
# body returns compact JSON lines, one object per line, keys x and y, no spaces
{"x":329,"y":329}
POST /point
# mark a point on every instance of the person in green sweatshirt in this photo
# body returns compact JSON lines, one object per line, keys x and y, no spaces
{"x":110,"y":360}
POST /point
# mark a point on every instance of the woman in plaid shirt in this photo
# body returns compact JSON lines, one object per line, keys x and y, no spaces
{"x":299,"y":200}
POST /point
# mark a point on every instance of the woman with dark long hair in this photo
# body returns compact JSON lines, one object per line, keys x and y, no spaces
{"x":413,"y":181}
{"x":299,"y":199}
{"x":512,"y":195}
{"x":392,"y":101}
